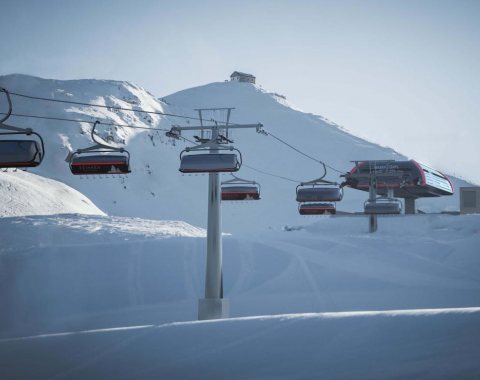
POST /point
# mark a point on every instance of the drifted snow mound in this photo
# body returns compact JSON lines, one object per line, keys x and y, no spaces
{"x":155,"y":189}
{"x":23,"y":193}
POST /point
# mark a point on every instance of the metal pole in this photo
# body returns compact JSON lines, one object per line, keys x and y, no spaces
{"x":372,"y":220}
{"x":213,"y":280}
{"x":409,"y":205}
{"x":214,"y":306}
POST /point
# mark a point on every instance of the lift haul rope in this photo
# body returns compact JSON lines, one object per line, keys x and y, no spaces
{"x":302,"y":153}
{"x":148,"y":128}
{"x":103,"y":106}
{"x":84,"y":121}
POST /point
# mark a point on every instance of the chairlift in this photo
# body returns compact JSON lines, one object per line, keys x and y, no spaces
{"x":318,"y":192}
{"x":383,"y":206}
{"x":19,"y":153}
{"x":238,"y":189}
{"x":407,"y":178}
{"x":100,"y":164}
{"x":317,"y":209}
{"x":210,"y":162}
{"x":99,"y":159}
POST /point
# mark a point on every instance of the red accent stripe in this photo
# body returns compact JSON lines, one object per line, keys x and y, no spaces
{"x":18,"y":164}
{"x":422,"y":173}
{"x":209,"y":171}
{"x":240,"y":192}
{"x":317,"y":208}
{"x":98,"y":163}
{"x":101,"y":173}
{"x":355,"y":168}
{"x":450,"y":182}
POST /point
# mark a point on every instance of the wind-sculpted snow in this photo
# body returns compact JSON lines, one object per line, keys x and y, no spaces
{"x":155,"y":189}
{"x":24,"y":193}
{"x":90,"y":230}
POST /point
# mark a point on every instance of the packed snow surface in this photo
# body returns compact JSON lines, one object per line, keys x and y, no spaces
{"x":23,"y":193}
{"x":155,"y":189}
{"x":67,"y":274}
{"x":420,"y":344}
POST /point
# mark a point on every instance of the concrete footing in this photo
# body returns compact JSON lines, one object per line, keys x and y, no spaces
{"x":213,"y":308}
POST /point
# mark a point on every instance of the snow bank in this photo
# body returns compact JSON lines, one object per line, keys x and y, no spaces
{"x":23,"y":193}
{"x":420,"y":344}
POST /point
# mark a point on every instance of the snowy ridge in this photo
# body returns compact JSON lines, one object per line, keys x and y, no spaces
{"x":155,"y":189}
{"x":25,"y":193}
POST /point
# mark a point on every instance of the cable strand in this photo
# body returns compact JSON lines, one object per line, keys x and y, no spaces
{"x":102,"y":106}
{"x":303,"y":153}
{"x":85,"y":121}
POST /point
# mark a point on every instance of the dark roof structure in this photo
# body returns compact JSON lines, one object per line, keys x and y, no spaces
{"x":238,"y":73}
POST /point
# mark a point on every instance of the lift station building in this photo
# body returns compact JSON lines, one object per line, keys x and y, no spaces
{"x":237,"y":76}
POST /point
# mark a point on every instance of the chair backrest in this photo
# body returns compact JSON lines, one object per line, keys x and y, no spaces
{"x":19,"y":153}
{"x":209,"y":162}
{"x":319,"y":194}
{"x":100,"y":164}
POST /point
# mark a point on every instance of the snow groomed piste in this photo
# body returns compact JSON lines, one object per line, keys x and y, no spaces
{"x":121,"y":299}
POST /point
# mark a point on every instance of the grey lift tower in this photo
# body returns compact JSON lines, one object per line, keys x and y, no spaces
{"x":384,"y":205}
{"x":214,"y":305}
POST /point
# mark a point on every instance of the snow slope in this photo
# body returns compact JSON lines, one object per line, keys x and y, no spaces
{"x":62,"y":275}
{"x":155,"y":189}
{"x":25,"y":193}
{"x":419,"y":344}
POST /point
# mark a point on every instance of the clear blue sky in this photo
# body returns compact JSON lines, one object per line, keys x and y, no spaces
{"x":402,"y":73}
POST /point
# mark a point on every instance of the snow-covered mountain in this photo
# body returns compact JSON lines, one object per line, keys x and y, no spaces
{"x":155,"y":189}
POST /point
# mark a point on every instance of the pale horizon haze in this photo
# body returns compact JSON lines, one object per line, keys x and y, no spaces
{"x":402,"y":74}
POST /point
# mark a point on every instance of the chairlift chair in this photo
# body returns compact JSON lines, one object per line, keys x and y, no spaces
{"x":99,"y":163}
{"x":238,"y":189}
{"x":19,"y":153}
{"x":319,"y":193}
{"x":317,"y":209}
{"x":210,"y":162}
{"x":383,"y":206}
{"x":99,"y":159}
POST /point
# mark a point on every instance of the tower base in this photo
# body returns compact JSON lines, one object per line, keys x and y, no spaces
{"x":213,"y":308}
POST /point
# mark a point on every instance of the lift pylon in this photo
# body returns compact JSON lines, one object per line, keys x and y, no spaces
{"x":213,"y":305}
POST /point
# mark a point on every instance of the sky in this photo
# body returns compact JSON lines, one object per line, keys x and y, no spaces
{"x":399,"y":73}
